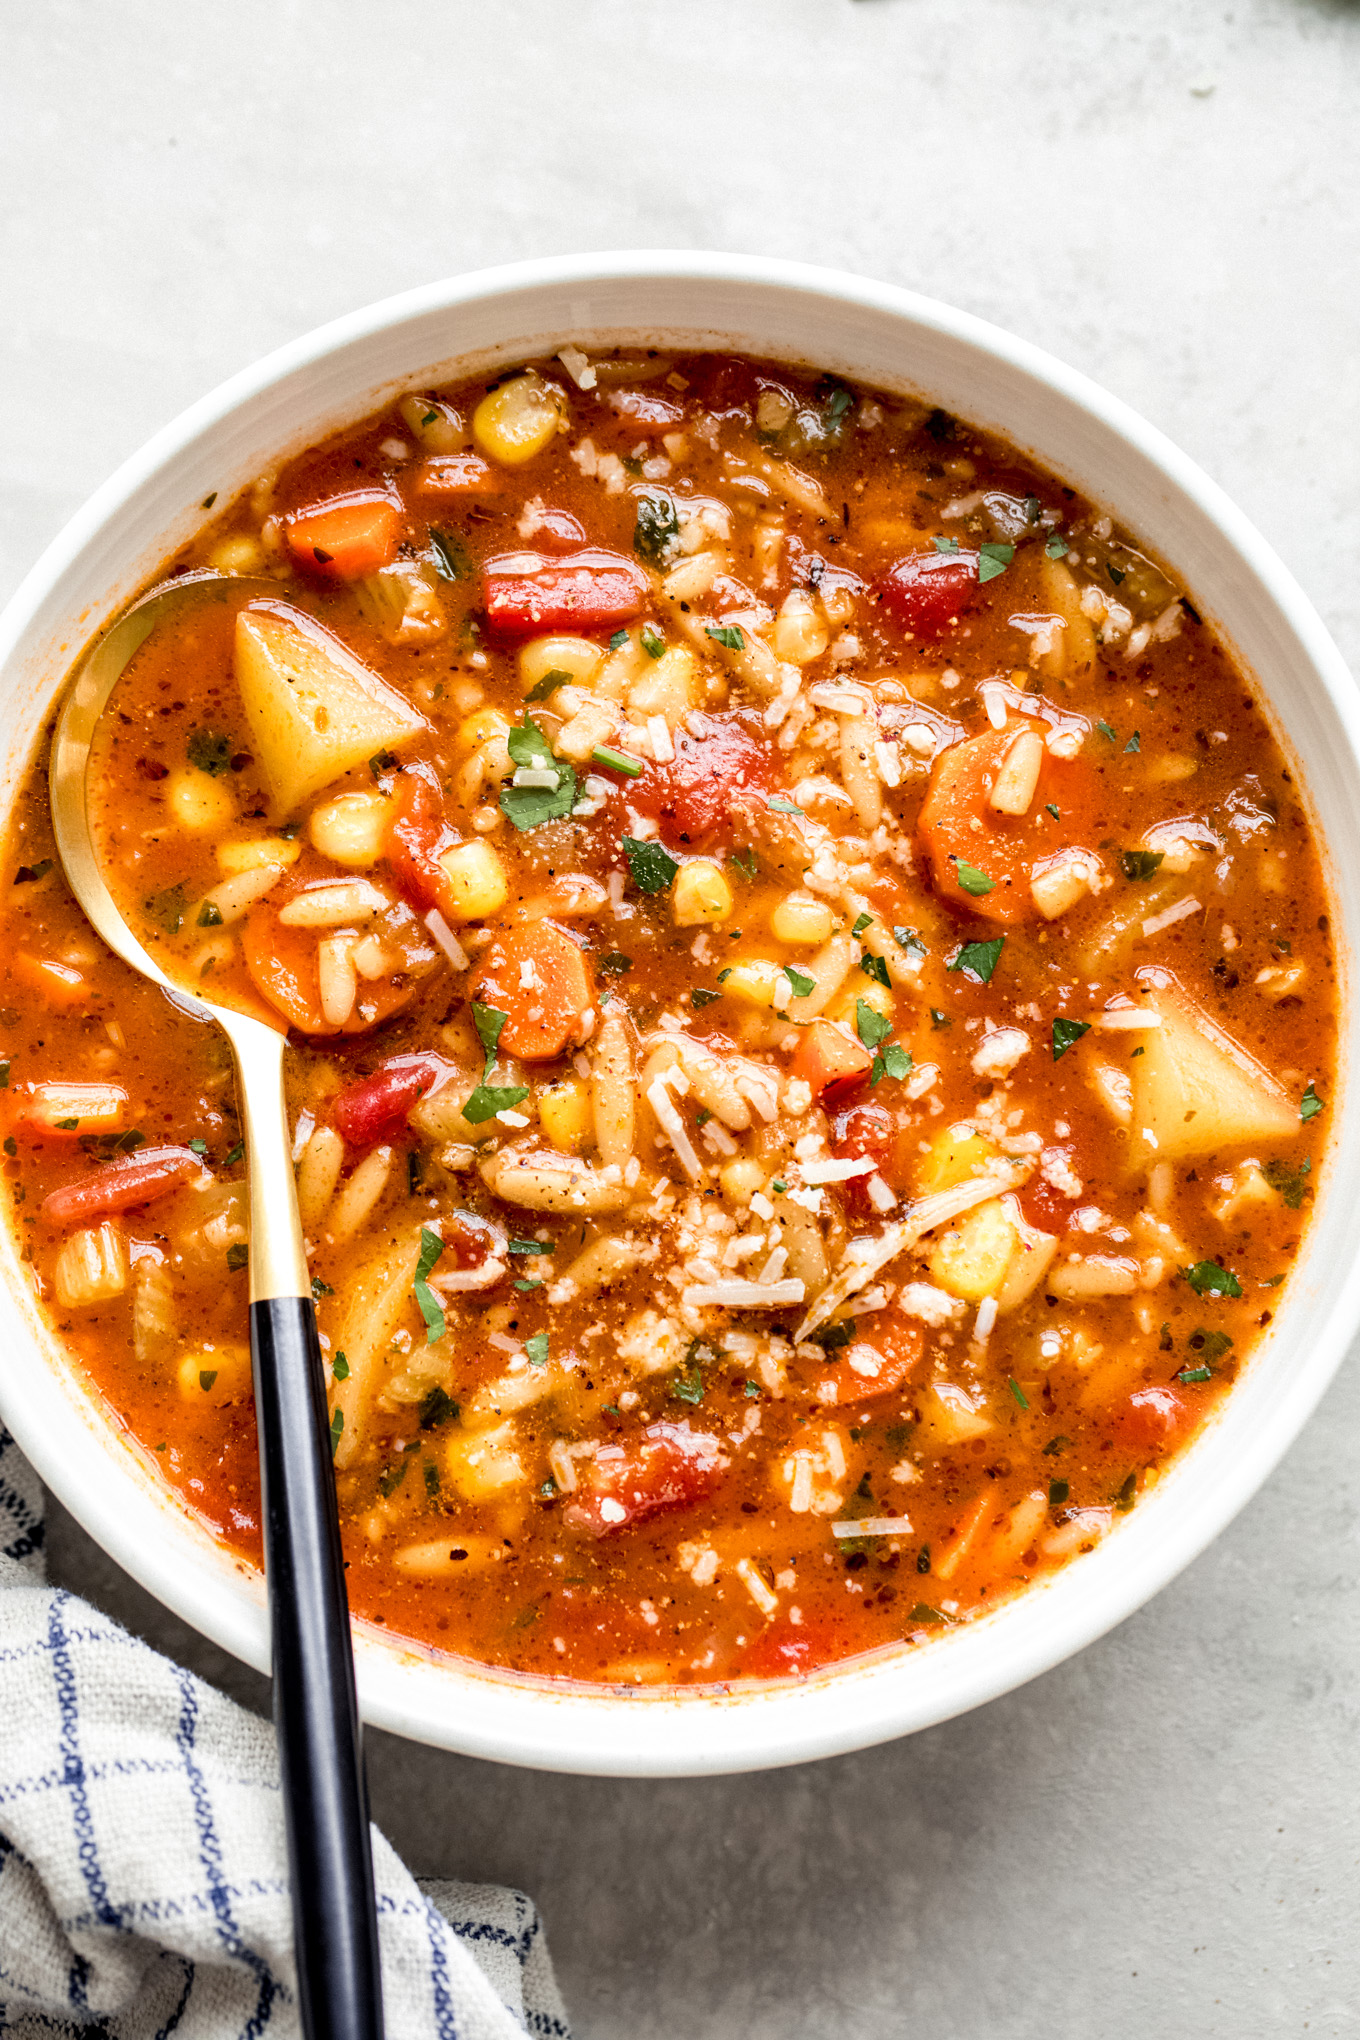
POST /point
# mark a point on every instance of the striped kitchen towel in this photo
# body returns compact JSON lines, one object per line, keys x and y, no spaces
{"x":143,"y":1890}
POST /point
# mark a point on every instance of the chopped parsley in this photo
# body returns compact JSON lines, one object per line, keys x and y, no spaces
{"x":1291,"y":1184}
{"x":337,"y":1426}
{"x":618,"y":641}
{"x":993,"y":559}
{"x":537,"y":1349}
{"x":728,"y":635}
{"x":1052,"y":809}
{"x":1206,"y":1278}
{"x":209,"y":916}
{"x":528,"y":807}
{"x":799,"y":979}
{"x":340,"y":1367}
{"x":206,"y":1377}
{"x":657,"y":528}
{"x":702,"y":996}
{"x":874,"y":967}
{"x":210,"y":751}
{"x":1140,"y":864}
{"x":437,"y":1408}
{"x":946,"y":545}
{"x":651,"y":868}
{"x":745,"y":862}
{"x":864,"y":921}
{"x":615,"y":963}
{"x":1133,"y":744}
{"x":167,"y":908}
{"x":1106,"y":731}
{"x":980,"y":959}
{"x":1058,"y":1491}
{"x":548,"y":685}
{"x":531,"y":1247}
{"x":653,"y":644}
{"x":237,"y":1256}
{"x":782,"y":806}
{"x":1310,"y":1103}
{"x":972,"y":880}
{"x":1065,"y":1032}
{"x":1018,"y":1393}
{"x":1056,"y":547}
{"x":451,"y":558}
{"x":909,"y":941}
{"x":688,"y":1382}
{"x":382,"y":761}
{"x":489,"y":1099}
{"x":431,"y":1309}
{"x":29,"y":874}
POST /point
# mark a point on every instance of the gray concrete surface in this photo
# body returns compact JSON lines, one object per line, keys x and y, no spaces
{"x":1159,"y":1838}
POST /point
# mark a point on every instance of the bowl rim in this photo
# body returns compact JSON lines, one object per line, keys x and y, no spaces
{"x":650,"y":1733}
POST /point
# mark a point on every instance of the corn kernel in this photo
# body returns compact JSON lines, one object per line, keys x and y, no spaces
{"x":198,"y":801}
{"x":477,"y":882}
{"x":564,"y":1113}
{"x":350,"y":829}
{"x":700,"y":894}
{"x":239,"y":555}
{"x":482,"y":1463}
{"x":260,"y":853}
{"x":669,"y":689}
{"x":876,"y":997}
{"x":92,"y":1267}
{"x":215,"y":1373}
{"x":516,"y":421}
{"x":800,"y":632}
{"x":577,"y":657}
{"x":481,"y":725}
{"x":970,"y":1259}
{"x":955,"y":1155}
{"x":799,"y":919}
{"x":754,"y":982}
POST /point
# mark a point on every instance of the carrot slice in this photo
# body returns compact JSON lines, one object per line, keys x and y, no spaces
{"x":539,"y":979}
{"x":981,"y":860}
{"x":347,"y":537}
{"x":284,"y":967}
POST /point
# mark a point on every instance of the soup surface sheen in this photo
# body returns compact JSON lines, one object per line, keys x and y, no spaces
{"x":811,"y":1007}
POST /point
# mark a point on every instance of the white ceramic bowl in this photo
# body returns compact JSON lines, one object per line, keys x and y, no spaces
{"x":906,"y":344}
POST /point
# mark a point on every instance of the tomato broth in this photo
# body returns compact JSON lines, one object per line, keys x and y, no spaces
{"x":811,"y":1009}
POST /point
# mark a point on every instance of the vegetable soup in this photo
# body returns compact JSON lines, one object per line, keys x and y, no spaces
{"x":810,"y":1002}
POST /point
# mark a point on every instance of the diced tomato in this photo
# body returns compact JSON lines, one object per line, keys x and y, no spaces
{"x":786,"y":1650}
{"x":866,"y":1132}
{"x":375,"y":1108}
{"x":829,"y":1058}
{"x":120,"y":1185}
{"x":347,"y":537}
{"x":669,"y":1467}
{"x":63,"y":1112}
{"x":417,"y":836}
{"x":590,"y":591}
{"x":545,"y":1013}
{"x":927,"y":591}
{"x":1154,"y":1419}
{"x":457,"y":474}
{"x":958,"y":825}
{"x":717,"y":759}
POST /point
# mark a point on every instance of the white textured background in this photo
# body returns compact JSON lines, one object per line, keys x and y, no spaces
{"x":1160,"y":1838}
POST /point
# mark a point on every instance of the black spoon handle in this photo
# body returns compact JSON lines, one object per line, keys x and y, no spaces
{"x":316,"y":1715}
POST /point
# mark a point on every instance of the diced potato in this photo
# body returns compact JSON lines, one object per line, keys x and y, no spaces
{"x":1280,"y":980}
{"x":700,"y":894}
{"x":950,"y":1416}
{"x":1249,"y":1187}
{"x":215,"y":1372}
{"x":753,"y":982}
{"x":800,"y":920}
{"x":260,"y":853}
{"x":350,"y":829}
{"x":1030,"y":1259}
{"x":91,"y":1268}
{"x":577,"y":657}
{"x":516,"y":421}
{"x":198,"y":801}
{"x":314,"y":711}
{"x":483,"y":1463}
{"x":477,"y":882}
{"x":564,"y":1113}
{"x":971,"y":1256}
{"x":1196,"y":1090}
{"x":955,"y":1155}
{"x":435,"y":424}
{"x":671,"y":688}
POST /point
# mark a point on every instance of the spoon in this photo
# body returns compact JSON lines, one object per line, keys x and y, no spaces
{"x":325,"y":1796}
